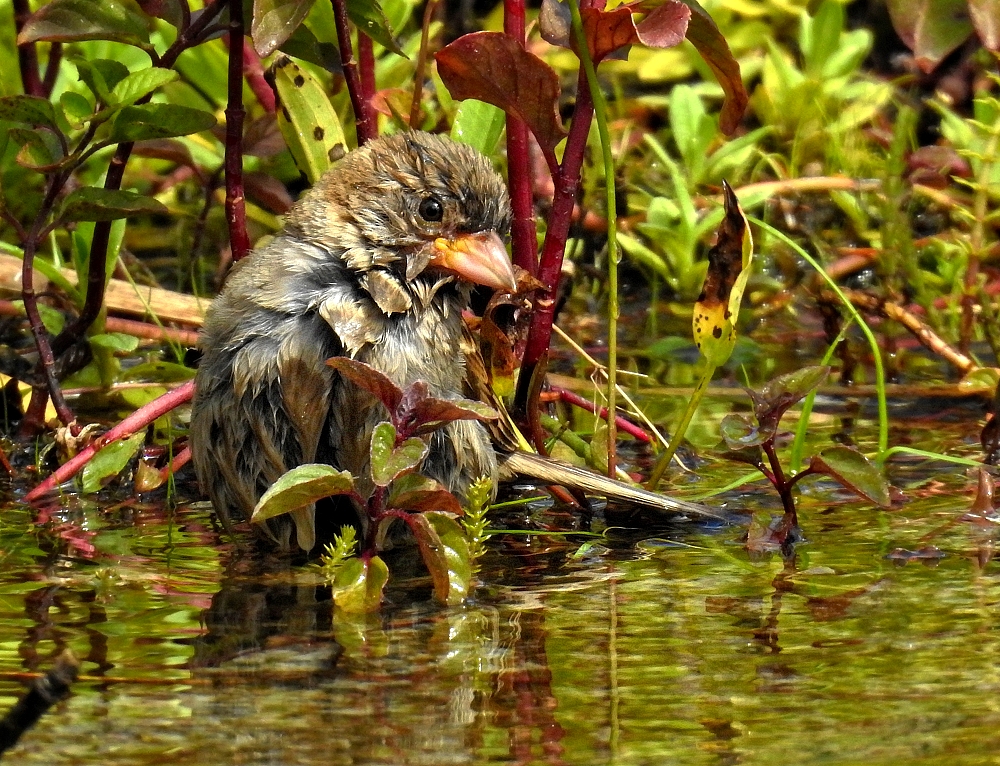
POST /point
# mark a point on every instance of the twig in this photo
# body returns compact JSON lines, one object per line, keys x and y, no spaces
{"x":364,"y":116}
{"x":523,"y":234}
{"x":235,"y":204}
{"x":45,"y":692}
{"x":139,"y":419}
{"x":180,"y":460}
{"x":625,"y":425}
{"x":253,"y":71}
{"x":418,"y":77}
{"x":27,"y":55}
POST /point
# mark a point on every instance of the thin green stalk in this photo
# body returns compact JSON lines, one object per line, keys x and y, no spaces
{"x":883,"y":408}
{"x":681,"y":428}
{"x":800,"y":431}
{"x":601,"y":114}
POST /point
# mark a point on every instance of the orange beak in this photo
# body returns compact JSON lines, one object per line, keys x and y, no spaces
{"x":479,"y":258}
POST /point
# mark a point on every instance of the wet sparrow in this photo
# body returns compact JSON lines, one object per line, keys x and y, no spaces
{"x":376,"y":262}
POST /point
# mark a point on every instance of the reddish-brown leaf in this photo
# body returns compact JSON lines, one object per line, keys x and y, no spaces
{"x":931,"y":28}
{"x":664,"y":27}
{"x":706,"y":37}
{"x":492,"y":67}
{"x":370,"y":379}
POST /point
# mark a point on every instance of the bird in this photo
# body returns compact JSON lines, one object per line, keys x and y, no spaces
{"x":376,"y":263}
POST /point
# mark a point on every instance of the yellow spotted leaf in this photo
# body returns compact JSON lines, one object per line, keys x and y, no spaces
{"x":307,"y":120}
{"x":718,"y":305}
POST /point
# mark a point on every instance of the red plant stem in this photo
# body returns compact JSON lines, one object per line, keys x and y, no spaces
{"x":180,"y":460}
{"x":52,"y":69}
{"x":366,"y":65}
{"x":254,"y":74}
{"x":781,"y":484}
{"x":27,"y":55}
{"x":625,"y":425}
{"x":567,"y":181}
{"x":139,"y":419}
{"x":364,"y":114}
{"x":523,"y":235}
{"x":236,"y":215}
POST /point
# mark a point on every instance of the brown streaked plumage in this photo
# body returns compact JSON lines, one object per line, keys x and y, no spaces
{"x":376,"y":262}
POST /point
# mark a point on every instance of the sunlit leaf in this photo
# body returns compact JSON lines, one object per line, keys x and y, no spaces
{"x":772,"y":401}
{"x":307,"y":120}
{"x":300,"y":488}
{"x":368,"y":16}
{"x":739,"y":431}
{"x":96,"y":204}
{"x":389,"y":461}
{"x":492,"y":67}
{"x":117,"y":342}
{"x":109,"y":461}
{"x":358,"y":585}
{"x":931,"y":28}
{"x":76,"y":108}
{"x":101,"y":76}
{"x":430,"y":414}
{"x":274,"y":21}
{"x":479,"y":125}
{"x":146,"y":121}
{"x":854,"y":471}
{"x":456,"y":554}
{"x":76,"y":20}
{"x":718,"y":306}
{"x":138,"y":84}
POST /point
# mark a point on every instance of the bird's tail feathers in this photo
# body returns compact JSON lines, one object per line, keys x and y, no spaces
{"x":556,"y":472}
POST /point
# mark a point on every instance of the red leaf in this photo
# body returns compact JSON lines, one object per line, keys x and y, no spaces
{"x":930,"y":28}
{"x":665,"y":26}
{"x":370,"y":379}
{"x":607,"y":31}
{"x":706,"y":37}
{"x":492,"y":67}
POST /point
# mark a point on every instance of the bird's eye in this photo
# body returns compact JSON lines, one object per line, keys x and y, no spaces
{"x":431,"y":209}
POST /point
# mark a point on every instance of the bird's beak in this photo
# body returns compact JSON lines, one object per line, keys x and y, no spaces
{"x":480,"y":258}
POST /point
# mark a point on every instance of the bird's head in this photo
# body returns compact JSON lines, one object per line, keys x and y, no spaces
{"x":408,"y":205}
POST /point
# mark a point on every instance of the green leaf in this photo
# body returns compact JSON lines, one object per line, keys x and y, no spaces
{"x":854,"y":471}
{"x":307,"y":119}
{"x":479,"y":125}
{"x":75,"y":20}
{"x":139,"y":84}
{"x":28,"y":109}
{"x":300,"y":488}
{"x":109,"y":461}
{"x":101,"y":76}
{"x":76,"y":108}
{"x":274,"y":21}
{"x":389,"y":461}
{"x":445,"y":551}
{"x":358,"y":585}
{"x":368,"y":16}
{"x":53,"y":319}
{"x":139,"y":123}
{"x":95,"y":204}
{"x":40,"y":149}
{"x":116,"y":342}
